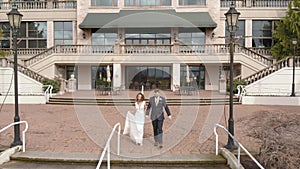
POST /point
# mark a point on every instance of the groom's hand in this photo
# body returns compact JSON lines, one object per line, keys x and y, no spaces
{"x":147,"y":116}
{"x":170,"y":117}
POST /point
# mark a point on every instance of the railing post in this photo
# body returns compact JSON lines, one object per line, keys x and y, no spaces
{"x":175,"y":47}
{"x":4,"y":62}
{"x":117,"y":48}
{"x":108,"y":155}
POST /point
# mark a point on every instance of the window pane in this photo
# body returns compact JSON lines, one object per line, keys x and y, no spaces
{"x":104,"y":38}
{"x":37,"y":30}
{"x":32,"y":43}
{"x":145,"y":2}
{"x":42,"y":43}
{"x":68,"y":42}
{"x":240,"y":32}
{"x":191,"y":2}
{"x":22,"y":44}
{"x":129,"y":2}
{"x":166,"y":3}
{"x":59,"y":34}
{"x":110,"y":41}
{"x":4,"y":44}
{"x":159,"y":73}
{"x":58,"y":42}
{"x":5,"y":29}
{"x":42,"y":29}
{"x":58,"y":25}
{"x":105,"y":2}
{"x":22,"y":30}
{"x":97,"y":41}
{"x":93,"y":2}
{"x":185,"y":35}
{"x":63,"y":33}
{"x":68,"y":35}
{"x":32,"y":34}
{"x":68,"y":26}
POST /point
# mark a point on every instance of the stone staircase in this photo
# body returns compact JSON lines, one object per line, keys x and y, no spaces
{"x":130,"y":102}
{"x":287,"y":62}
{"x":26,"y":71}
{"x":43,"y":160}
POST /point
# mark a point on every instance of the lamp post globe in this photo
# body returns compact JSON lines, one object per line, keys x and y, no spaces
{"x":15,"y":18}
{"x":294,"y":42}
{"x":232,"y":16}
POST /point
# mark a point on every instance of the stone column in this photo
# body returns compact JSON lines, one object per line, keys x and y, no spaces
{"x":117,"y":72}
{"x":175,"y":75}
{"x":62,"y":88}
{"x":222,"y":83}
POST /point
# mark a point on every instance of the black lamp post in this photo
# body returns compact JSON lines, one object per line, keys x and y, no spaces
{"x":14,"y":18}
{"x":294,"y":41}
{"x":232,"y":16}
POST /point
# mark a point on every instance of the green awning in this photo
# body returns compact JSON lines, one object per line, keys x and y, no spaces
{"x":147,"y":19}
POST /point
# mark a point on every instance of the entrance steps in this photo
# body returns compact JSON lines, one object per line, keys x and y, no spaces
{"x":176,"y":161}
{"x":130,"y":102}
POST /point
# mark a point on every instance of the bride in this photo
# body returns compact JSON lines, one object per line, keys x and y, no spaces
{"x":134,"y":123}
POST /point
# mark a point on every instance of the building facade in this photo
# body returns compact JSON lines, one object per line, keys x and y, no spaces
{"x":149,"y":43}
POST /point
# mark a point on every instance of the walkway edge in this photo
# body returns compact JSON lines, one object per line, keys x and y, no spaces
{"x":178,"y":159}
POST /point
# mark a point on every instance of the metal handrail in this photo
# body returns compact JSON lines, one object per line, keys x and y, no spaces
{"x":48,"y":92}
{"x":241,"y":92}
{"x":239,"y":146}
{"x":23,"y":132}
{"x":107,"y":147}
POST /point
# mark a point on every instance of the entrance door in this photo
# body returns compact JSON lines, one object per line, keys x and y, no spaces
{"x":150,"y":77}
{"x":197,"y":76}
{"x":99,"y":75}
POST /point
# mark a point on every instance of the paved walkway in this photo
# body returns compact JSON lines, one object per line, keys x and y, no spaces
{"x":85,"y":129}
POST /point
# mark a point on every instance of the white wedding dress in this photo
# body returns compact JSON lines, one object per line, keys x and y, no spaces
{"x":134,"y":124}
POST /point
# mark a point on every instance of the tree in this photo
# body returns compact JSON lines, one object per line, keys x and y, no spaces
{"x":286,"y":29}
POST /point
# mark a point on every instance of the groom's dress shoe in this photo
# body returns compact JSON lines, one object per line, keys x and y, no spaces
{"x":160,"y":146}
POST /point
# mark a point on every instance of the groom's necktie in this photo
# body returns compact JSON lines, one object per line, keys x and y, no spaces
{"x":156,"y":101}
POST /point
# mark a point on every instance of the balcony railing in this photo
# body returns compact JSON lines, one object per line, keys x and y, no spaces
{"x":40,"y":5}
{"x":262,"y":51}
{"x":145,"y":49}
{"x":256,"y":3}
{"x":24,"y":51}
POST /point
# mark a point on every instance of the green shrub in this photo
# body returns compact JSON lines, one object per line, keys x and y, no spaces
{"x":102,"y":82}
{"x":54,"y":82}
{"x":236,"y":82}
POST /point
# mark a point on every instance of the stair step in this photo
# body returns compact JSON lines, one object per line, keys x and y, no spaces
{"x":166,"y":160}
{"x":130,"y":102}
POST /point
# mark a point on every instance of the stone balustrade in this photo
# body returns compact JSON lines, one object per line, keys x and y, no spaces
{"x":9,"y":63}
{"x":145,"y":49}
{"x":287,"y":62}
{"x":256,"y":3}
{"x":68,"y":4}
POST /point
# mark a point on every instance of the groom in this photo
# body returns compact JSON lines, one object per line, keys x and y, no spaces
{"x":156,"y":105}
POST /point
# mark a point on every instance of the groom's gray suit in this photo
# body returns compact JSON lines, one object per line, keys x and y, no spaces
{"x":157,"y":116}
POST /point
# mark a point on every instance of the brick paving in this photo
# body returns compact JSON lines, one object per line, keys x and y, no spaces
{"x":66,"y":128}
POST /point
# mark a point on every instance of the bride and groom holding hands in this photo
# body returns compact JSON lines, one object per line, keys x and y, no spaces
{"x":134,"y":123}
